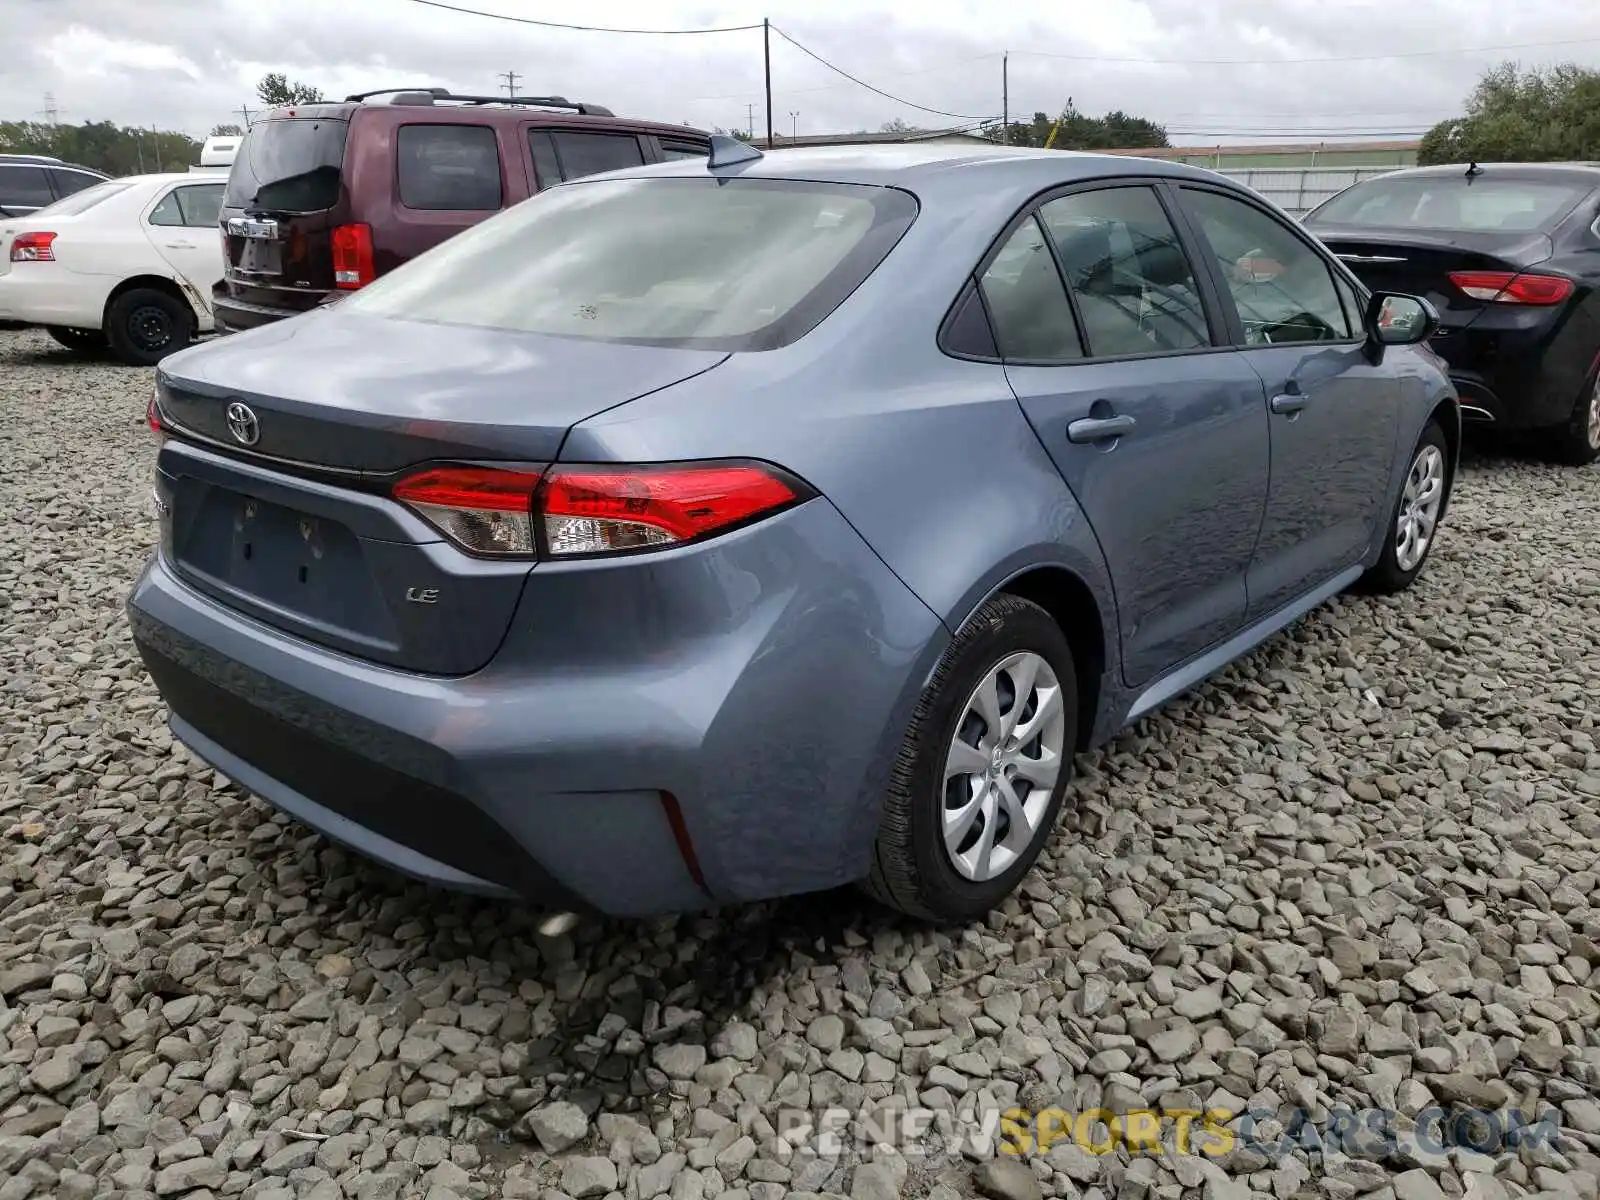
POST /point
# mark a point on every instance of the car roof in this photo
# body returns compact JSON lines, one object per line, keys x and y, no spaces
{"x":1552,"y":171}
{"x":923,"y":167}
{"x":434,"y":114}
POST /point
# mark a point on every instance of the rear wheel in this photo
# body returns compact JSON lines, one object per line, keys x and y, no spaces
{"x":144,"y":325}
{"x":983,"y":768}
{"x":84,"y":341}
{"x":1577,"y":443}
{"x":1414,"y":524}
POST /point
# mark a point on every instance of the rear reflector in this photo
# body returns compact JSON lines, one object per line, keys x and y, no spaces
{"x":1507,"y":287}
{"x":593,"y":509}
{"x":352,"y":256}
{"x":484,"y":510}
{"x":33,"y":247}
{"x":600,"y":510}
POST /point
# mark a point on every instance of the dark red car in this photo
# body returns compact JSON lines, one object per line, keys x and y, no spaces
{"x":324,"y":198}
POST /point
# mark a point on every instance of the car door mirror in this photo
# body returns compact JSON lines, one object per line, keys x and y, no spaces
{"x":1399,"y":320}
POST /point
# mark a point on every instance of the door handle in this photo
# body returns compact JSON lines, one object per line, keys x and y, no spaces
{"x":1099,"y":429}
{"x":180,"y":245}
{"x":1288,"y":404}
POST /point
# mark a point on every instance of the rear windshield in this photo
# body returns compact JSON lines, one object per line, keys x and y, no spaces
{"x":83,"y":201}
{"x":1454,"y":203}
{"x":289,"y":165}
{"x":744,"y":264}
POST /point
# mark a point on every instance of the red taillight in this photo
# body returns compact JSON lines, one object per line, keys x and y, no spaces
{"x":591,"y":509}
{"x":152,"y":418}
{"x":486,"y":510}
{"x":352,"y":256}
{"x":33,"y":247}
{"x":1508,"y":287}
{"x":598,"y":510}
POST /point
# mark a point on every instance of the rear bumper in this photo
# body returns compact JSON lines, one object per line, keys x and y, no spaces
{"x":49,"y":294}
{"x":746,"y":760}
{"x":1521,"y":370}
{"x":234,"y":316}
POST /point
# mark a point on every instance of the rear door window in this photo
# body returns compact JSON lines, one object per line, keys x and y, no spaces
{"x":581,"y":154}
{"x":25,"y":188}
{"x":672,"y":149}
{"x":69,"y":182}
{"x":449,"y":167}
{"x":1135,"y":289}
{"x":200,"y":204}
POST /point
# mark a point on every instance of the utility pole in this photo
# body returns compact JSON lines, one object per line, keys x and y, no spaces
{"x":156,"y":138}
{"x":794,"y":125}
{"x":511,"y":81}
{"x":766,"y":62}
{"x":750,"y":120}
{"x":50,"y":113}
{"x":1005,"y":99}
{"x":244,"y":112}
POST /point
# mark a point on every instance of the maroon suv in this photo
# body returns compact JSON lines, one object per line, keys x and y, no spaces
{"x":324,"y":198}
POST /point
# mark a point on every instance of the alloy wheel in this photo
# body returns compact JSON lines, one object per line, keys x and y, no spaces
{"x":1002,"y":766}
{"x":1592,"y":431}
{"x":1419,"y":508}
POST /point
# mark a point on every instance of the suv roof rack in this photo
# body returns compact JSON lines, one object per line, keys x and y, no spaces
{"x":431,"y":95}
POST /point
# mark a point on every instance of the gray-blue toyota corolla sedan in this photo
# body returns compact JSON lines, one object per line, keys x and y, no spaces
{"x":741,"y":527}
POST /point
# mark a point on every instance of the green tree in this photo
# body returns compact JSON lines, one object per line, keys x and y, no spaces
{"x":226,"y":131}
{"x":103,"y":145}
{"x":1116,"y":130}
{"x":1543,"y":114}
{"x":275,"y":90}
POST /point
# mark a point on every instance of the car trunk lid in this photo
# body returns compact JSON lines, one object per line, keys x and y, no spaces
{"x":1420,"y":264}
{"x":295,"y":528}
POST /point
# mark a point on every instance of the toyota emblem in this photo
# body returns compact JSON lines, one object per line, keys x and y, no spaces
{"x":243,"y":425}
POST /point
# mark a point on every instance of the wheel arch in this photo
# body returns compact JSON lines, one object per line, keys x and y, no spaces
{"x":1073,"y":605}
{"x":1447,"y":413}
{"x":158,"y":283}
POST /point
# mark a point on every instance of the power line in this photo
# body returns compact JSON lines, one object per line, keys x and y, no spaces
{"x":833,"y":87}
{"x":1273,"y":62}
{"x":473,"y":12}
{"x":938,"y":112}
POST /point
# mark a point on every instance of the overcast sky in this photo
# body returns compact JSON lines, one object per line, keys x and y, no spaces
{"x":1211,"y":70}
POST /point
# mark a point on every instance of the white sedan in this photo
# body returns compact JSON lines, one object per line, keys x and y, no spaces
{"x":127,"y":263}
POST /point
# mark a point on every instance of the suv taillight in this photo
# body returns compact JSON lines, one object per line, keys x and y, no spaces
{"x":352,"y":256}
{"x":568,"y":511}
{"x":33,"y":247}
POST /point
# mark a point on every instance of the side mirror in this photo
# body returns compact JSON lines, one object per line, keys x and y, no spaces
{"x":1394,"y":319}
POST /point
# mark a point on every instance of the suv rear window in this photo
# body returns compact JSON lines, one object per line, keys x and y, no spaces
{"x":1454,"y":203}
{"x":454,"y":167}
{"x":746,"y":264}
{"x":288,"y":165}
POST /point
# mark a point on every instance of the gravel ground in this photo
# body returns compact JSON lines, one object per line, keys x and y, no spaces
{"x":1359,"y":871}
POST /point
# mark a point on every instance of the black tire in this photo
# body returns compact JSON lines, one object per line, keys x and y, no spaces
{"x":1577,"y":443}
{"x":144,"y":325}
{"x":1388,"y":576}
{"x":83,"y":341}
{"x":911,"y":870}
